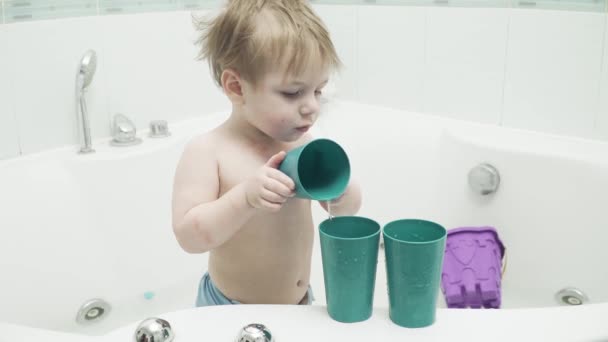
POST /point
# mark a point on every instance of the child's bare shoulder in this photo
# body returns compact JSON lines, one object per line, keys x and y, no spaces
{"x":203,"y":145}
{"x":200,"y":156}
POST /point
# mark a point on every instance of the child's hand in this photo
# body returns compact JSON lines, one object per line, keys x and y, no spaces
{"x":338,"y":200}
{"x":269,"y":188}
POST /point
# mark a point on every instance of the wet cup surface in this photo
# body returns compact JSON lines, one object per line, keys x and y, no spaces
{"x":349,"y":252}
{"x":414,"y":251}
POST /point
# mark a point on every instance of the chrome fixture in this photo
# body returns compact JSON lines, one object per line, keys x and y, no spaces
{"x":93,"y":311}
{"x":254,"y":332}
{"x":571,"y":296}
{"x":159,"y":129}
{"x":484,"y":179}
{"x":124,"y":132}
{"x":154,"y":330}
{"x":84,"y":76}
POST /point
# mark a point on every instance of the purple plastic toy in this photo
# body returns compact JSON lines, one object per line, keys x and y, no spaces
{"x":472,"y":268}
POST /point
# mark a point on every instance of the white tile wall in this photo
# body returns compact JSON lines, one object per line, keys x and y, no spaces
{"x":465,"y":60}
{"x":9,"y":141}
{"x":391,"y":56}
{"x":341,"y":21}
{"x":44,"y":57}
{"x":553,"y":71}
{"x":446,"y":61}
{"x":601,"y":123}
{"x":152,"y":71}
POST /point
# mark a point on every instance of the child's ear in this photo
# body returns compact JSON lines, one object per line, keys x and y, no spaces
{"x":232,"y":85}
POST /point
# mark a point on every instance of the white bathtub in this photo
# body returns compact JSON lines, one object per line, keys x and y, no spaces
{"x":76,"y":227}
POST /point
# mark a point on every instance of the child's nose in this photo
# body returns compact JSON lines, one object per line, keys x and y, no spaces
{"x":311,"y":106}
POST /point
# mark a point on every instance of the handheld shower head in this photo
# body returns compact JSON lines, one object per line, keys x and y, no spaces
{"x":86,"y":69}
{"x":84,"y":76}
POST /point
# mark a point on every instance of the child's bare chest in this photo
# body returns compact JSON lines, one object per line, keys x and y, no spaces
{"x":237,"y":169}
{"x":237,"y":164}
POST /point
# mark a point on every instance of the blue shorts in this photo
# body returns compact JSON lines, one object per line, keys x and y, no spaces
{"x":208,"y":294}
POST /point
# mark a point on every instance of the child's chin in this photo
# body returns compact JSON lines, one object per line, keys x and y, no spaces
{"x":291,"y":137}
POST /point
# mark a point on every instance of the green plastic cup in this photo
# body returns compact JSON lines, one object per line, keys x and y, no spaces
{"x":349,"y":252}
{"x":320,"y":169}
{"x":414,"y":259}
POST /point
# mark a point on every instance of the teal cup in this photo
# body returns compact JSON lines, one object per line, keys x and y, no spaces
{"x":414,"y":259}
{"x":320,"y":169}
{"x":349,"y":252}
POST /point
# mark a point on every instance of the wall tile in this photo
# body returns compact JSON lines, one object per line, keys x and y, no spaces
{"x":153,"y":73}
{"x":135,"y":6}
{"x":147,"y":69}
{"x":568,"y":5}
{"x":391,"y":56}
{"x":337,"y":2}
{"x":553,"y":71}
{"x":198,"y":4}
{"x":9,"y":141}
{"x":341,"y":22}
{"x":446,"y":3}
{"x":601,"y":122}
{"x":465,"y":61}
{"x":45,"y":56}
{"x":26,"y":10}
{"x":401,"y":2}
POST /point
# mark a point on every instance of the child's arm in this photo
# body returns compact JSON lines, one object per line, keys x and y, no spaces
{"x":201,"y":220}
{"x":347,"y":204}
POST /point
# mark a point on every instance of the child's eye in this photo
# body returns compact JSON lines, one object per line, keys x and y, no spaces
{"x":291,"y":94}
{"x":318,"y":93}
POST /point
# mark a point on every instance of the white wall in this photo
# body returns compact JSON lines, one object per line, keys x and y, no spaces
{"x":391,"y":56}
{"x":342,"y":22}
{"x":530,"y":69}
{"x":465,"y":59}
{"x":601,"y":123}
{"x":42,"y":57}
{"x":9,"y":140}
{"x":146,"y":70}
{"x":524,"y":68}
{"x":554,"y":62}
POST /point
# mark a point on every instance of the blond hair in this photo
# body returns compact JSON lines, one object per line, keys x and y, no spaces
{"x":254,"y":37}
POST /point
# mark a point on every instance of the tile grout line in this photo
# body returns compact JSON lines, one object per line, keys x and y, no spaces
{"x":180,"y":5}
{"x":423,"y":103}
{"x":504,"y":69}
{"x":601,"y":83}
{"x":356,"y":52}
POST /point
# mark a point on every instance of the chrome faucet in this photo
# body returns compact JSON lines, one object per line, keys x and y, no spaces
{"x":124,"y":131}
{"x":84,"y":76}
